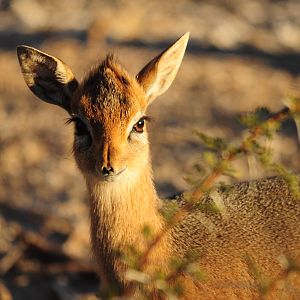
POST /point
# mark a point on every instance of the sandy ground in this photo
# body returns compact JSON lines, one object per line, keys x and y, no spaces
{"x":242,"y":54}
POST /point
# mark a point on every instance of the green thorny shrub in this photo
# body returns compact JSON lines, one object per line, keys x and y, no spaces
{"x":260,"y":126}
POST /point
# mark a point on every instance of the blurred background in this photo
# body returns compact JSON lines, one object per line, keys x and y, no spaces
{"x":242,"y":54}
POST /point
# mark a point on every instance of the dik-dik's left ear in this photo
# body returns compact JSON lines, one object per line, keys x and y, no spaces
{"x":159,"y":73}
{"x":47,"y":77}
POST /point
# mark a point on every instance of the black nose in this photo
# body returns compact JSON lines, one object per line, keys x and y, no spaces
{"x":106,"y":171}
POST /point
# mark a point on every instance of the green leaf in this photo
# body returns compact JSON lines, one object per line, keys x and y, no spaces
{"x":212,"y":142}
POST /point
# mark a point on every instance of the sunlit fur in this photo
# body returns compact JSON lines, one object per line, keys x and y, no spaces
{"x":111,"y":102}
{"x":257,"y":219}
{"x":122,"y":207}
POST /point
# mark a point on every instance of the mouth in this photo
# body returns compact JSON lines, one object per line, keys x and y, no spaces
{"x":111,"y":177}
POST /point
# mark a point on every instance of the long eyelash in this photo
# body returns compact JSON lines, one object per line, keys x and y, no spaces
{"x":71,"y":120}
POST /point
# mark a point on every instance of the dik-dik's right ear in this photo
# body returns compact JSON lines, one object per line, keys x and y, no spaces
{"x":159,"y":73}
{"x":47,"y":77}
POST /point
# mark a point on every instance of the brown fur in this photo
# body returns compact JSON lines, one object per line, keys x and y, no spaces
{"x":257,"y":220}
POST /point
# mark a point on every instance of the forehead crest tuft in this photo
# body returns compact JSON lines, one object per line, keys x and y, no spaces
{"x":108,"y":89}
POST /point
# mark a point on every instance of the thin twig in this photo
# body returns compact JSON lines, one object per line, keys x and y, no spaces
{"x":12,"y":257}
{"x":209,"y":181}
{"x":197,"y":194}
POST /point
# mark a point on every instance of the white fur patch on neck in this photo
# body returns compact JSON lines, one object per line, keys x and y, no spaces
{"x":115,"y":192}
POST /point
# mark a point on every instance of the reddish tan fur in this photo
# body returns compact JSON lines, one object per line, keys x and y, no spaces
{"x":259,"y":218}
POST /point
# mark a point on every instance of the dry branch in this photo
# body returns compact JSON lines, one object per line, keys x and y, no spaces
{"x":195,"y":196}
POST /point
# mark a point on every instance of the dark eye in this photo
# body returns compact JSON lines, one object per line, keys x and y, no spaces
{"x":80,"y":128}
{"x":139,"y":126}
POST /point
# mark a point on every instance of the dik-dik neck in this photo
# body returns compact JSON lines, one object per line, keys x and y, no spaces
{"x":119,"y":211}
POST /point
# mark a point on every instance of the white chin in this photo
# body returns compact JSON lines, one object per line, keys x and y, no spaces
{"x":115,"y":178}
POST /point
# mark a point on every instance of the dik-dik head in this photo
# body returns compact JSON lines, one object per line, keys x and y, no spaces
{"x":108,"y":107}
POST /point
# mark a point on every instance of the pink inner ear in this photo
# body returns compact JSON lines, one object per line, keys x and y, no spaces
{"x":147,"y":75}
{"x":157,"y":76}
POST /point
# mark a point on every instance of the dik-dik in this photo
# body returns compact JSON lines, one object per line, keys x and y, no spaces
{"x":259,"y":220}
